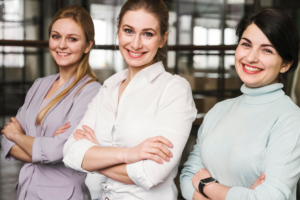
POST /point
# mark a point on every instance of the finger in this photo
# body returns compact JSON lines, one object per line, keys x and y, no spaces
{"x":159,"y":153}
{"x":163,"y":148}
{"x":67,"y":125}
{"x":163,"y":140}
{"x":80,"y":131}
{"x":78,"y":136}
{"x":91,"y":131}
{"x":90,"y":137}
{"x":59,"y":132}
{"x":13,"y":119}
{"x":154,"y":158}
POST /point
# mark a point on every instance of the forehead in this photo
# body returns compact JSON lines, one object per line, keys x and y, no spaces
{"x":67,"y":26}
{"x":140,"y":19}
{"x":255,"y":35}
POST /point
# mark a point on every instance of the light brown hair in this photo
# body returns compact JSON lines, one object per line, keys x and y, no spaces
{"x":161,"y":12}
{"x":84,"y":20}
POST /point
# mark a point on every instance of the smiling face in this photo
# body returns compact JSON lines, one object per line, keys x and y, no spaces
{"x":67,"y":43}
{"x":256,"y":60}
{"x":139,"y":38}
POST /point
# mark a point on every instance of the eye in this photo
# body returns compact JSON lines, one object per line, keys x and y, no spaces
{"x":73,"y":39}
{"x":268,"y":50}
{"x":128,"y":31}
{"x":55,"y":36}
{"x":148,"y":34}
{"x":246,"y":44}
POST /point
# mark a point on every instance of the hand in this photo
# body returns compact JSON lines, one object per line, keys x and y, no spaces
{"x":62,"y":129}
{"x":201,"y":174}
{"x":259,"y":181}
{"x":152,"y":148}
{"x":86,"y":133}
{"x":12,"y":128}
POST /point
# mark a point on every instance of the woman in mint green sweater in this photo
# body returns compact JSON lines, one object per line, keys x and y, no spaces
{"x":256,"y":135}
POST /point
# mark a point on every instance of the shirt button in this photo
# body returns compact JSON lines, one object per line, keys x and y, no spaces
{"x":106,"y":198}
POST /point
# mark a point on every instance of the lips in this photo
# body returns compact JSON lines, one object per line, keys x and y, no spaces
{"x":251,"y":69}
{"x":135,"y":54}
{"x":63,"y":54}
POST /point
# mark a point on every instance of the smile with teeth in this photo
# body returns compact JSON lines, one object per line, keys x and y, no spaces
{"x":63,"y":54}
{"x":253,"y":69}
{"x":135,"y":54}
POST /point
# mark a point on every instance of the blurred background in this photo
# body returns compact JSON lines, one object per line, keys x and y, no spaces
{"x":202,"y":44}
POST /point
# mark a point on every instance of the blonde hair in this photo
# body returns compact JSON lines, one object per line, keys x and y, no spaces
{"x":84,"y":20}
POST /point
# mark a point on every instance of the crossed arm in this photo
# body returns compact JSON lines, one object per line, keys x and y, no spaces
{"x":22,"y":150}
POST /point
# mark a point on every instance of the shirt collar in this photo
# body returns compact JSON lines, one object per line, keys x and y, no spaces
{"x":151,"y":72}
{"x":262,"y":95}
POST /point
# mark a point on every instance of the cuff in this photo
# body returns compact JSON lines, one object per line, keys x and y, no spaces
{"x":37,"y":150}
{"x":187,"y":189}
{"x":137,"y":174}
{"x":6,"y":145}
{"x":237,"y":193}
{"x":74,"y":157}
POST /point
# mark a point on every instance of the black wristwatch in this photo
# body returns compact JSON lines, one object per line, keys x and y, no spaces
{"x":204,"y":182}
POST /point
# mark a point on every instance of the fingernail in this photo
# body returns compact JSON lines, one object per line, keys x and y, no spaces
{"x":171,"y":155}
{"x":161,"y":162}
{"x":171,"y":145}
{"x":168,"y":159}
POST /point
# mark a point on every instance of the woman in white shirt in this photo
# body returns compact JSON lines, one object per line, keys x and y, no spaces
{"x":136,"y":114}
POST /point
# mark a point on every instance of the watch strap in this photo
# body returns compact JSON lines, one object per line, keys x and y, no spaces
{"x":202,"y":184}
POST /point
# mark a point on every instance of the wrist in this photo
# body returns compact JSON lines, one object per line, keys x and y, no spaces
{"x":124,"y":153}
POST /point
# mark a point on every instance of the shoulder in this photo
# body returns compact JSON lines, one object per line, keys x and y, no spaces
{"x":287,"y":110}
{"x":176,"y":82}
{"x":87,"y":87}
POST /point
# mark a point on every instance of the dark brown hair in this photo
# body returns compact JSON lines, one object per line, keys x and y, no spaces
{"x":161,"y":12}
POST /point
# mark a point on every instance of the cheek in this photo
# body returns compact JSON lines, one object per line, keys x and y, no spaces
{"x":52,"y":45}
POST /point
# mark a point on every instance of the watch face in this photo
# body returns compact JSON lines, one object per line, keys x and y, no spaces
{"x":208,"y":180}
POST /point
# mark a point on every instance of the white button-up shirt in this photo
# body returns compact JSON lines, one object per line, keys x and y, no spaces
{"x":154,"y":103}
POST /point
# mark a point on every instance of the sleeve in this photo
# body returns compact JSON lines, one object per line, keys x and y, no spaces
{"x":173,"y":121}
{"x":49,"y":150}
{"x":6,"y":144}
{"x":73,"y":150}
{"x":281,"y":164}
{"x":190,"y":168}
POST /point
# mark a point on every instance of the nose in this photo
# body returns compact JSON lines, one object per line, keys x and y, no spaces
{"x":136,"y":42}
{"x":62,"y":44}
{"x":252,"y":56}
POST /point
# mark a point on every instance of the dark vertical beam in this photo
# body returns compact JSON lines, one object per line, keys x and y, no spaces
{"x":59,"y":4}
{"x":41,"y":37}
{"x":85,"y":4}
{"x":177,"y":35}
{"x":2,"y":88}
{"x":256,"y":5}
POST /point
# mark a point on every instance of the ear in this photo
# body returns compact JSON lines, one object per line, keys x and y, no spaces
{"x":88,"y":47}
{"x":286,"y":66}
{"x":164,"y":39}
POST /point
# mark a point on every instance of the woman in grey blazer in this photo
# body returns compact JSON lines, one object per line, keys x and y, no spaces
{"x":34,"y":136}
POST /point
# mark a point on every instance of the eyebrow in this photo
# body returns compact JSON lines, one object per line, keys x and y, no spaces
{"x":68,"y":34}
{"x":145,"y":29}
{"x":263,"y":45}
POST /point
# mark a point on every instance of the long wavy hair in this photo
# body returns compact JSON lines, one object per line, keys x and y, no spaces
{"x":84,"y":20}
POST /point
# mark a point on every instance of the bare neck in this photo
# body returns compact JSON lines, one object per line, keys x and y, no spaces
{"x":65,"y":74}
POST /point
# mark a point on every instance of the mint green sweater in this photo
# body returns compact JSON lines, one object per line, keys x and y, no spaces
{"x":240,"y":138}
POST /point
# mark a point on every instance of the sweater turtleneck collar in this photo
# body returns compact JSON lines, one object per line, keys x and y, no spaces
{"x":262,"y":95}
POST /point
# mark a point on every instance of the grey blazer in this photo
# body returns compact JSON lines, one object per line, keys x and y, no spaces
{"x":47,"y":177}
